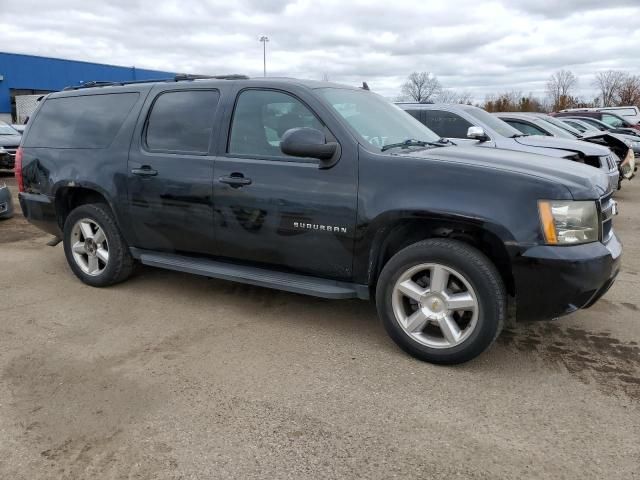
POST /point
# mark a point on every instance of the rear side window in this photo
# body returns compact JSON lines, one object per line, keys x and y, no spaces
{"x":182,"y":121}
{"x":446,"y":124}
{"x":88,"y":121}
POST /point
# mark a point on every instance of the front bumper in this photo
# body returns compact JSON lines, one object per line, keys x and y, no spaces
{"x":7,"y":161}
{"x":6,"y":203}
{"x":552,"y":281}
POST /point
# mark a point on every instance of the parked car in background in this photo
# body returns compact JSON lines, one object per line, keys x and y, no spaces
{"x":534,"y":123}
{"x":578,"y":124}
{"x":321,"y":189}
{"x":474,"y":126}
{"x":631,"y":113}
{"x":9,"y":143}
{"x":594,"y":122}
{"x":6,"y":202}
{"x":610,"y":119}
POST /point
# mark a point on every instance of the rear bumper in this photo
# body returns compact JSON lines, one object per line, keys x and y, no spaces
{"x":555,"y":281}
{"x":40,"y":210}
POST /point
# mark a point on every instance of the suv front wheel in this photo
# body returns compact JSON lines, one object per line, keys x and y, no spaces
{"x":95,"y":250}
{"x":441,"y":300}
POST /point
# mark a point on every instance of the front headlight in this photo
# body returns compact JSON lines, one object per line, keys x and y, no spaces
{"x":567,"y":222}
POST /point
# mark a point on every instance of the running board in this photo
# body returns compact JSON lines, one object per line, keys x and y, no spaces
{"x":290,"y":282}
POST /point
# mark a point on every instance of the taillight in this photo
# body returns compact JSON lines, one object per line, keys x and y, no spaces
{"x":18,"y":170}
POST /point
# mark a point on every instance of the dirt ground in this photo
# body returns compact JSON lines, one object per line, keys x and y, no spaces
{"x":172,"y":376}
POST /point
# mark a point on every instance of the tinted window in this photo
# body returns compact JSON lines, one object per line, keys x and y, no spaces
{"x":446,"y":124}
{"x":260,"y":119}
{"x":88,"y":121}
{"x":527,"y":128}
{"x":182,"y":121}
{"x":414,"y":113}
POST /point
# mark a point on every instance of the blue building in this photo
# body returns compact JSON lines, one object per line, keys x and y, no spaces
{"x":29,"y":75}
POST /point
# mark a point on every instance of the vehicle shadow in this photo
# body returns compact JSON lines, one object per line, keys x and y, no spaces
{"x":589,"y":357}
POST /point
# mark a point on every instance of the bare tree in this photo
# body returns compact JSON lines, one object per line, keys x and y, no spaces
{"x":559,"y":88}
{"x":421,"y":87}
{"x":448,"y":95}
{"x":629,"y":91}
{"x":608,"y":83}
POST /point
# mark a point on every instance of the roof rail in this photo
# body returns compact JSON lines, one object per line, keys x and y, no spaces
{"x":232,"y":76}
{"x":180,"y":77}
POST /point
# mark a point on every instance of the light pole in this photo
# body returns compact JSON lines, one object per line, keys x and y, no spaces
{"x":264,"y":39}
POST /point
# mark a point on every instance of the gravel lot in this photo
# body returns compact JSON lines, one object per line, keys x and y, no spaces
{"x":176,"y":376}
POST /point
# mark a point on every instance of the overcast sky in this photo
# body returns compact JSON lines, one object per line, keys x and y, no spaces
{"x":476,"y":46}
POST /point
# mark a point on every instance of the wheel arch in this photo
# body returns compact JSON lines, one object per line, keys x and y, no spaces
{"x":70,"y":196}
{"x":405,"y":230}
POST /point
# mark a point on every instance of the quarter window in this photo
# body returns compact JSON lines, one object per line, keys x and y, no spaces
{"x":84,"y":121}
{"x":261,"y":118}
{"x":182,"y":121}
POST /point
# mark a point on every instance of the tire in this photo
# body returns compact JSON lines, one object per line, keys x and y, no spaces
{"x":119,"y":262}
{"x":461,"y":276}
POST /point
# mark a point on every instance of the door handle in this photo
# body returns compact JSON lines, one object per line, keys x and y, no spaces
{"x":236,"y":180}
{"x":144,"y":171}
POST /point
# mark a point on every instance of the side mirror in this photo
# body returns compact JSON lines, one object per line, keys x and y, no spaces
{"x":477,"y":133}
{"x":309,"y":142}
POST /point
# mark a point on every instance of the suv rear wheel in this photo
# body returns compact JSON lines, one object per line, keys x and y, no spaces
{"x":95,"y":250}
{"x":441,"y":301}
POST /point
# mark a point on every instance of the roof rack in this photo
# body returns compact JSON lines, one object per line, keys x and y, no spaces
{"x":180,"y":77}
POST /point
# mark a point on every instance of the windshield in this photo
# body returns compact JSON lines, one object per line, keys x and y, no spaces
{"x":560,"y":124}
{"x":494,"y":123}
{"x":7,"y":130}
{"x":555,"y":131}
{"x":376,"y":120}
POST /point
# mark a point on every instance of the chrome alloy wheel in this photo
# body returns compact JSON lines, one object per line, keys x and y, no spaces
{"x":435,"y":305}
{"x":89,"y":246}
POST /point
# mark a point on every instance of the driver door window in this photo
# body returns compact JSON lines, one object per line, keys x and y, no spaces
{"x":261,"y":118}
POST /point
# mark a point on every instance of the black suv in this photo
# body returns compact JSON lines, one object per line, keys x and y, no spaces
{"x":320,"y":189}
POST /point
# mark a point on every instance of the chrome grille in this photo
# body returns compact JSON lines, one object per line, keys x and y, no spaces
{"x":11,"y":151}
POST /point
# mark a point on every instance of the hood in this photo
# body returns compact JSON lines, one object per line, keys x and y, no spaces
{"x":566,"y":144}
{"x":10,"y":140}
{"x":584,"y":182}
{"x":614,"y":141}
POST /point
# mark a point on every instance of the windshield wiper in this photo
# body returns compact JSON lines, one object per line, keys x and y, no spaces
{"x":412,"y":143}
{"x":518,"y":135}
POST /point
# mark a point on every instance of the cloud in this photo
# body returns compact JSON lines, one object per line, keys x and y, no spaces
{"x":479,"y":47}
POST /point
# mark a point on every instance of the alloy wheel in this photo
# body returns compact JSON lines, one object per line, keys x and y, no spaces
{"x":435,"y":305}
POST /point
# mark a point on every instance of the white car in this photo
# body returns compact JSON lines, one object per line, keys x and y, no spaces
{"x":630,"y":113}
